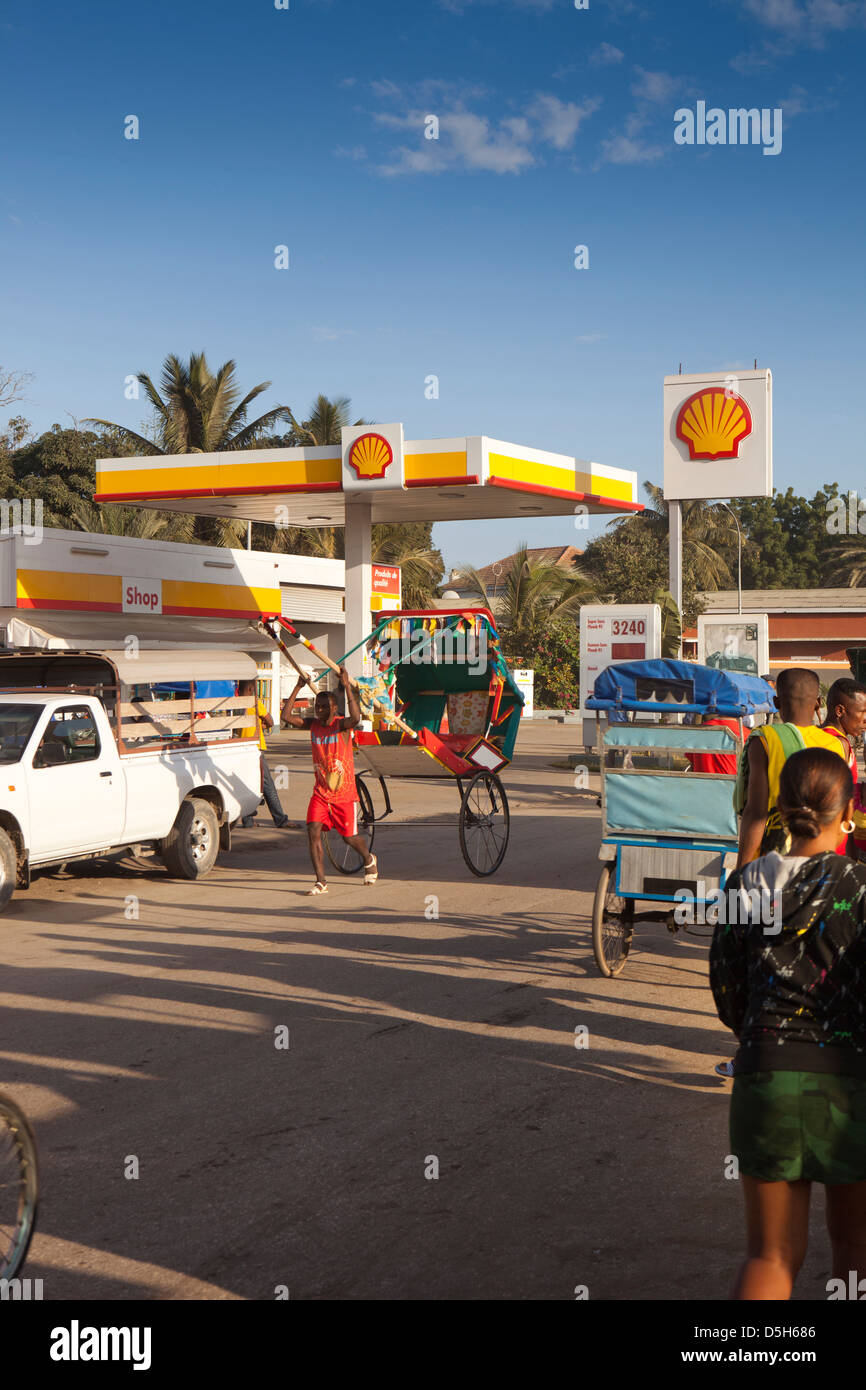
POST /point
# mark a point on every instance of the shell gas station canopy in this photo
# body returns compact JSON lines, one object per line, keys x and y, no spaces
{"x":374,"y":475}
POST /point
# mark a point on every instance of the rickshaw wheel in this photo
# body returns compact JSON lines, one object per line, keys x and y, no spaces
{"x":345,"y":859}
{"x":485,"y":824}
{"x":612,"y":928}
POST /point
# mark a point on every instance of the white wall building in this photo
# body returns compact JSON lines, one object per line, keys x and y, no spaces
{"x":80,"y":589}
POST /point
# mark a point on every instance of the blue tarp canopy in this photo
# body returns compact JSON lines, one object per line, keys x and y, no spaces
{"x":205,"y":690}
{"x":680,"y":685}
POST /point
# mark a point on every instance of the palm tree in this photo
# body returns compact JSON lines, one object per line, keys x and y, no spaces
{"x":199,"y":412}
{"x":327,"y":418}
{"x":708,"y":530}
{"x":113,"y":520}
{"x":845,"y":564}
{"x":420,"y":565}
{"x":533,"y":591}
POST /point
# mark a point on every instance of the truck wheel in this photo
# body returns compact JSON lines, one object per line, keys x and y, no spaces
{"x":190,"y":848}
{"x":8,"y":869}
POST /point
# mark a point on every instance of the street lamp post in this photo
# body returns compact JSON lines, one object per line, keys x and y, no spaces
{"x":739,"y":556}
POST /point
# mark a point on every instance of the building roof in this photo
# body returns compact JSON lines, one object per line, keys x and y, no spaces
{"x":786,"y":600}
{"x":563,"y":556}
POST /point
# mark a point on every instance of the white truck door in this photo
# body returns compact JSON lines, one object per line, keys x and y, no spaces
{"x":76,"y":783}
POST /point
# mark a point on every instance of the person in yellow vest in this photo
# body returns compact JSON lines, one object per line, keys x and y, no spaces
{"x":766,"y":752}
{"x":269,"y":791}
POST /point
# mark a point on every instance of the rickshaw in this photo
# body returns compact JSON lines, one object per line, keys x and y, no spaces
{"x":669,"y":833}
{"x":459,"y":714}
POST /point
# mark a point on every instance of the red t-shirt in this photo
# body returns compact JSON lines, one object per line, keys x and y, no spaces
{"x":333,"y":762}
{"x":724,"y":763}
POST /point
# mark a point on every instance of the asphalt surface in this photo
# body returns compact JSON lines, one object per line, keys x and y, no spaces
{"x":140,"y":1018}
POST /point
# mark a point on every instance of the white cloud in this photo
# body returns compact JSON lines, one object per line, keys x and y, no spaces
{"x":631,"y":145}
{"x":627,"y":149}
{"x":606,"y":55}
{"x":466,"y":141}
{"x":351,"y":152}
{"x":559,"y":121}
{"x":654,"y":86}
{"x":471,"y":141}
{"x":807,"y":22}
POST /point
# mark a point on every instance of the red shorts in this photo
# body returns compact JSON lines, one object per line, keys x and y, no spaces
{"x":333,"y":815}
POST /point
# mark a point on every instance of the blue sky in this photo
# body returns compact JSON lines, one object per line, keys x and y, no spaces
{"x":454,"y":257}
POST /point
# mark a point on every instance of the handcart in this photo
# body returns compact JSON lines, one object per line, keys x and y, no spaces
{"x":669,"y":831}
{"x":459,"y":714}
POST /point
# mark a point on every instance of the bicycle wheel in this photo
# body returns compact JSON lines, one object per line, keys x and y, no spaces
{"x":19,"y":1187}
{"x":344,"y":858}
{"x":485,"y":824}
{"x":612,"y":928}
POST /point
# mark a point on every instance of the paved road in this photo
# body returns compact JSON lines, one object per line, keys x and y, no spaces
{"x":413,"y":1042}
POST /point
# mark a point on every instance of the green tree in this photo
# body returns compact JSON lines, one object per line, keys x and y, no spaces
{"x":199,"y":412}
{"x":112,"y":520}
{"x":60,"y":468}
{"x":631,"y":566}
{"x":709,"y":534}
{"x":535,"y":592}
{"x":550,"y":648}
{"x":789,"y":543}
{"x":411,"y":547}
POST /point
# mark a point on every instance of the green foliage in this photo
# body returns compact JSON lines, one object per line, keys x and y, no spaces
{"x":789,"y":545}
{"x":552,"y":650}
{"x":535,"y":592}
{"x":199,"y":411}
{"x":672,"y":628}
{"x":630,"y":565}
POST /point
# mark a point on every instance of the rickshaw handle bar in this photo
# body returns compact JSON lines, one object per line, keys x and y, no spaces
{"x":387,"y":714}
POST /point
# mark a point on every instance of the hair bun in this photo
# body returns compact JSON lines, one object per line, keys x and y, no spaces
{"x":803,"y":822}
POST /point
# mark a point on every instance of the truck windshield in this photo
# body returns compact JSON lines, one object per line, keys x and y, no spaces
{"x":16,"y":725}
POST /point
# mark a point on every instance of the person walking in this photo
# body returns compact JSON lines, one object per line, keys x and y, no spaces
{"x":269,"y":791}
{"x":792,"y":994}
{"x":846,"y":718}
{"x":334,"y":803}
{"x":767,"y":748}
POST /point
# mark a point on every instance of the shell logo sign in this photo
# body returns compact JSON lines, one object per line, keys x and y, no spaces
{"x":713,"y":423}
{"x":370,"y":456}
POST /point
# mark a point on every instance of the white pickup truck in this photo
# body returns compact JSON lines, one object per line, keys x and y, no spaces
{"x":105,"y":751}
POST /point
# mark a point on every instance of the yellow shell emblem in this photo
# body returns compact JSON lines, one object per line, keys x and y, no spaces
{"x":370,"y":456}
{"x":713,"y":422}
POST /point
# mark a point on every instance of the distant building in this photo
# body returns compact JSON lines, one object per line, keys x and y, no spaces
{"x":808,"y":627}
{"x":495,"y":576}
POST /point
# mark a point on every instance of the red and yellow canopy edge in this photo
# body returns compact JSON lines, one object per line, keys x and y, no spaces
{"x":614,"y":502}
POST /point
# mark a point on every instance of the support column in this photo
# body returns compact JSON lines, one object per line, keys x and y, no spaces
{"x":675,"y":555}
{"x":358,"y":577}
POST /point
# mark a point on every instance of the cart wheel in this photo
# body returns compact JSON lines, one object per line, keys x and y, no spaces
{"x":612,"y":928}
{"x":345,"y":859}
{"x":484,"y":824}
{"x":19,"y":1187}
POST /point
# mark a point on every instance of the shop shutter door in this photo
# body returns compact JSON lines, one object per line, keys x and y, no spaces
{"x":312,"y":603}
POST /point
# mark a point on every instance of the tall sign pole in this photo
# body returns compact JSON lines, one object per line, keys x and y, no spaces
{"x":675,"y":558}
{"x":718,"y":442}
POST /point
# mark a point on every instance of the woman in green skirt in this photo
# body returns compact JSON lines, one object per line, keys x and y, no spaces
{"x":789,"y":978}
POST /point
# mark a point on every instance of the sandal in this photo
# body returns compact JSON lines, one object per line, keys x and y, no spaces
{"x":371,"y":870}
{"x":317,"y":888}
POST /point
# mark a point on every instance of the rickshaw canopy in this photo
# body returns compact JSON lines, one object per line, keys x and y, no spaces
{"x":663,"y":685}
{"x":448,"y":652}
